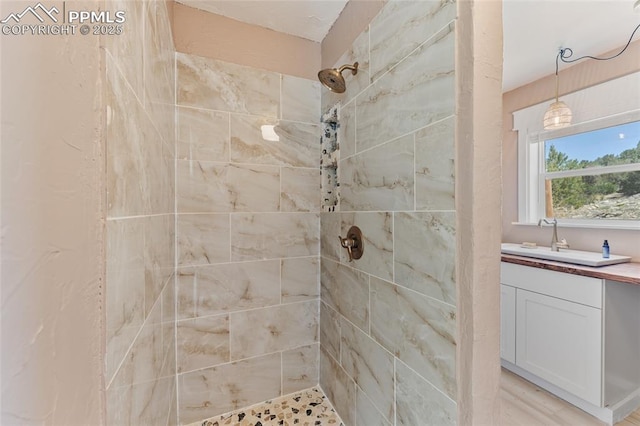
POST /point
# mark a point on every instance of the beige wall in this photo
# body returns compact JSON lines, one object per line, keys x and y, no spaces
{"x":214,"y":36}
{"x":478,"y":126}
{"x":584,"y":74}
{"x":52,"y":228}
{"x":353,"y":19}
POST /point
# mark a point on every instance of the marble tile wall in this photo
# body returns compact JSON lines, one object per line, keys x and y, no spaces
{"x":388,"y":320}
{"x":248,"y":236}
{"x":140,"y":229}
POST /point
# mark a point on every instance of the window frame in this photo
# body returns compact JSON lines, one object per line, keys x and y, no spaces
{"x":532,"y":173}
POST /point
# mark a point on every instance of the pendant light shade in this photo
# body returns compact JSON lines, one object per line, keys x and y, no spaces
{"x":558,"y":115}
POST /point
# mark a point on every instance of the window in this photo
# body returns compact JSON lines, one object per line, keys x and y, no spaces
{"x":593,"y":175}
{"x":587,"y":174}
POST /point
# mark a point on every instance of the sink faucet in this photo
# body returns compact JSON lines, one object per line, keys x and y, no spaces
{"x":554,"y":237}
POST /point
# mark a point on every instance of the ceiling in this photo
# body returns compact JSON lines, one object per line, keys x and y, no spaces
{"x":534,"y":30}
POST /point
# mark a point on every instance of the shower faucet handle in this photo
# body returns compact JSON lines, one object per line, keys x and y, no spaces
{"x":349,"y":244}
{"x":353,"y":243}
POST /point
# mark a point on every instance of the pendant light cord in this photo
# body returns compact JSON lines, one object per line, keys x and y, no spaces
{"x":559,"y":56}
{"x":566,"y":53}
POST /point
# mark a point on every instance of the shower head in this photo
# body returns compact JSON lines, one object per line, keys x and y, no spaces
{"x":332,"y":78}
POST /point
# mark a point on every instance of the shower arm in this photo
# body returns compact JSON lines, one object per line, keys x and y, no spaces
{"x":353,"y":68}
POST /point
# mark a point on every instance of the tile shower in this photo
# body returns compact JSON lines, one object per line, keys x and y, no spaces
{"x":266,"y":303}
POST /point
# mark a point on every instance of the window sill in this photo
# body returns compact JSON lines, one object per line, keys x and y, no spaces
{"x":630,"y":225}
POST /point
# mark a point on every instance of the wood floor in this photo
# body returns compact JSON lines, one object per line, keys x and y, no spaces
{"x":525,"y":404}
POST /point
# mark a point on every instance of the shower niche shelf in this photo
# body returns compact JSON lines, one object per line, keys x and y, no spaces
{"x":330,"y":149}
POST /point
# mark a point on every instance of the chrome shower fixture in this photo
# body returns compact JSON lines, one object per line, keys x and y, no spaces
{"x":332,"y":78}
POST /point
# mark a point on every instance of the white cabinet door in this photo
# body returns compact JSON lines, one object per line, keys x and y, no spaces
{"x":508,"y":323}
{"x":560,"y":342}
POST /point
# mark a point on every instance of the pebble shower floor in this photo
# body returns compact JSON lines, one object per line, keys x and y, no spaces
{"x":307,"y":408}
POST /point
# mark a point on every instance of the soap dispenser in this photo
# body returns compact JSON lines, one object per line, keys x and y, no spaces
{"x":605,"y":249}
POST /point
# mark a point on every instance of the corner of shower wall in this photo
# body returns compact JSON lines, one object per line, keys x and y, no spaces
{"x":140,"y":229}
{"x":388,"y":320}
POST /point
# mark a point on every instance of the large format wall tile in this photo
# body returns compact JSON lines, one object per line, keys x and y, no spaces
{"x":128,"y":129}
{"x":159,"y":57}
{"x":217,"y":289}
{"x":425,"y":256}
{"x":160,"y":71}
{"x":418,"y":330}
{"x":338,"y":387}
{"x":330,"y":330}
{"x":159,"y":256}
{"x":379,"y":179}
{"x":300,"y":368}
{"x":261,"y":331}
{"x":214,"y":187}
{"x":370,"y":366}
{"x":419,"y":403}
{"x":331,"y":227}
{"x":202,"y":134}
{"x":435,"y":152}
{"x":298,"y":143}
{"x":203,"y":342}
{"x":163,"y":117}
{"x":127,"y":49}
{"x":419,"y":91}
{"x":347,"y":130}
{"x":347,"y":291}
{"x":203,"y":239}
{"x":300,"y":99}
{"x":163,"y":190}
{"x":367,"y":413}
{"x":146,"y":403}
{"x":168,"y":306}
{"x":300,"y":279}
{"x":271,"y":236}
{"x":377,"y":233}
{"x":217,"y":390}
{"x":402,"y":26}
{"x":144,"y":360}
{"x":139,"y":164}
{"x":212,"y":84}
{"x":125,"y":288}
{"x":300,"y":190}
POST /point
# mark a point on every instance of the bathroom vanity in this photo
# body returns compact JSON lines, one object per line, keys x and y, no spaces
{"x":575,"y":331}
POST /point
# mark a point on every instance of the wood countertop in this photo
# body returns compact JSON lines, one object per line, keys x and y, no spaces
{"x":623,"y":272}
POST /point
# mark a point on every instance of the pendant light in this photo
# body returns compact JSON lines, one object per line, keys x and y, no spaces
{"x":558,"y":114}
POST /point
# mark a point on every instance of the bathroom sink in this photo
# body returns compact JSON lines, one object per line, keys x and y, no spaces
{"x":577,"y":257}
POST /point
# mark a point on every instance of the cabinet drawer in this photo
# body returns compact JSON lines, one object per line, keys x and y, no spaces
{"x":574,"y":288}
